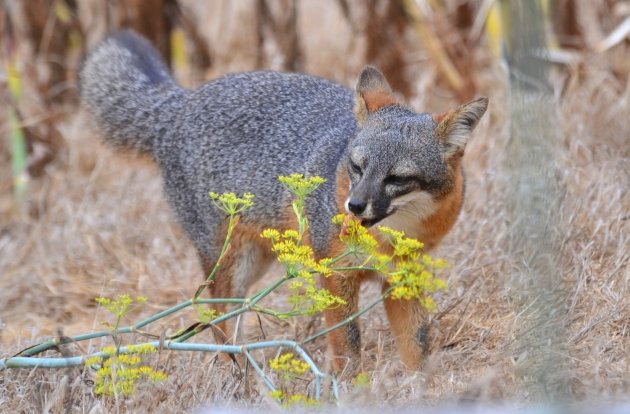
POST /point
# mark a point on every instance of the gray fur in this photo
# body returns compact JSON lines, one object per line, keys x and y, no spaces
{"x":370,"y":79}
{"x":396,"y":142}
{"x":240,"y":132}
{"x":127,"y":88}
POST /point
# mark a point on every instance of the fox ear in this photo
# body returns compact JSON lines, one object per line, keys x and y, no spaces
{"x":454,"y":127}
{"x":372,"y":93}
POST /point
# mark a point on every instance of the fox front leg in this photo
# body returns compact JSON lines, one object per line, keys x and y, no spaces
{"x":345,"y":342}
{"x":407,"y":320}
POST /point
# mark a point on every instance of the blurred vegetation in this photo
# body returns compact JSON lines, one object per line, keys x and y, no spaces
{"x":43,"y":42}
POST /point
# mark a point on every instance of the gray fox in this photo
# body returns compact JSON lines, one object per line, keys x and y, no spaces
{"x":383,"y":164}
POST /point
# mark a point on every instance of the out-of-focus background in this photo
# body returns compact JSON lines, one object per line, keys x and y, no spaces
{"x":78,"y":220}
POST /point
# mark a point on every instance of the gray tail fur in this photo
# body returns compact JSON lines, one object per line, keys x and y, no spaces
{"x":128,"y":90}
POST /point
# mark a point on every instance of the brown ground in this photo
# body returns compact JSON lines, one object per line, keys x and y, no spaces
{"x":99,"y":225}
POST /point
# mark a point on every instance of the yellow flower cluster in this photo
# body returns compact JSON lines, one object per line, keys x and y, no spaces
{"x":409,"y":272}
{"x":288,"y":366}
{"x":412,"y":276}
{"x":291,"y":400}
{"x":118,"y":373}
{"x":121,"y":305}
{"x":411,"y":280}
{"x":299,"y":185}
{"x":355,"y":236}
{"x":300,"y":264}
{"x":206,"y":314}
{"x":361,"y":380}
{"x":404,"y":247}
{"x":230,"y":203}
{"x":290,"y":252}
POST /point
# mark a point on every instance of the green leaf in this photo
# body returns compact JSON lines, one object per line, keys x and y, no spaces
{"x":18,"y":156}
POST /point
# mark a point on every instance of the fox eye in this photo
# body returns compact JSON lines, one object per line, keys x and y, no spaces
{"x":355,"y":168}
{"x":399,"y":180}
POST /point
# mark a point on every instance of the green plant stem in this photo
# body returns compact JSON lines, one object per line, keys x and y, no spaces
{"x":18,"y":159}
{"x":224,"y":248}
{"x":259,"y":371}
{"x":260,"y":295}
{"x":298,"y":209}
{"x":349,"y":318}
{"x":44,"y":346}
{"x":38,"y":362}
{"x":247,"y":305}
{"x":342,"y":256}
{"x":276,"y":314}
{"x":346,"y":268}
{"x":215,"y":321}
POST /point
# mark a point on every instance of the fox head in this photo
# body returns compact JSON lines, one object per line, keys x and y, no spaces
{"x":401,"y":161}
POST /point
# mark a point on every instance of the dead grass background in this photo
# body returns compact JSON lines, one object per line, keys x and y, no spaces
{"x":98,"y":225}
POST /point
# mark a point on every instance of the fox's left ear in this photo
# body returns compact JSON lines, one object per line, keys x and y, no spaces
{"x":372,"y":93}
{"x":454,"y":127}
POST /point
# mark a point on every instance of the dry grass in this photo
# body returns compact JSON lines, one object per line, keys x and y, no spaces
{"x":99,"y":225}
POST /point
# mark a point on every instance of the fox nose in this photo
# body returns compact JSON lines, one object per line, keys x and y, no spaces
{"x":356,"y":207}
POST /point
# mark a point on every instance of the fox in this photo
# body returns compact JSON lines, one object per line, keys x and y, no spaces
{"x":384,"y":164}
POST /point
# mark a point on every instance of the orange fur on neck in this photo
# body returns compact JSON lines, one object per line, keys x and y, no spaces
{"x":435,"y":227}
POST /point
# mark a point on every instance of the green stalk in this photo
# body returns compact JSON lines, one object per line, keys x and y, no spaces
{"x":298,"y":209}
{"x":259,"y":371}
{"x":18,"y":159}
{"x":260,"y":295}
{"x":276,"y":314}
{"x":34,"y":362}
{"x":215,"y":269}
{"x":341,"y":256}
{"x":349,"y":318}
{"x":44,"y":346}
{"x":371,"y":269}
{"x":247,"y":305}
{"x":215,"y":321}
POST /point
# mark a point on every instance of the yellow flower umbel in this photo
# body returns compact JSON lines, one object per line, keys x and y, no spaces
{"x":117,"y":374}
{"x":287,"y":367}
{"x":119,"y":307}
{"x":409,"y":272}
{"x":301,"y":187}
{"x":356,"y":237}
{"x":122,"y":305}
{"x":412,"y":276}
{"x":301,"y":267}
{"x":230,"y":203}
{"x":299,"y":259}
{"x":207,"y":314}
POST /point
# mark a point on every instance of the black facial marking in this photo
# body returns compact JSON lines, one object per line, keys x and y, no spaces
{"x":355,"y":168}
{"x":400,"y":180}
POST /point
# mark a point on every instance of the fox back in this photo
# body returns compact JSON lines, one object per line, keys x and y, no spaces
{"x":383,"y":162}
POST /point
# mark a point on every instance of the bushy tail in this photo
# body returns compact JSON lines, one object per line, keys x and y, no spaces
{"x":126,"y":87}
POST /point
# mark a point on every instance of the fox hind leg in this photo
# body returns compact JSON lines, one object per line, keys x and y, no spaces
{"x":243,"y":264}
